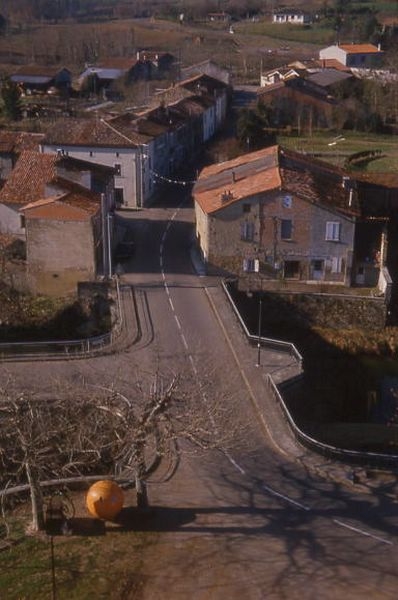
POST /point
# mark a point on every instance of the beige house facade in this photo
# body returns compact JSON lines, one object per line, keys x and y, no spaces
{"x":260,"y":215}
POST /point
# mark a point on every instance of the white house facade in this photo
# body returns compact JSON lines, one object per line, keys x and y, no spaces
{"x":353,"y":55}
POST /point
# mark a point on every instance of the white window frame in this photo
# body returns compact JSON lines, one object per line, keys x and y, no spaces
{"x":333,"y":231}
{"x":251,"y":265}
{"x":337,"y":264}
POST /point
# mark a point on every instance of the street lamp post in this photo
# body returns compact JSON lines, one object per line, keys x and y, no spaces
{"x":259,"y":335}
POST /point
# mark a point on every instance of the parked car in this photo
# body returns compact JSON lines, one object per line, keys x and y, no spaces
{"x":124,"y":251}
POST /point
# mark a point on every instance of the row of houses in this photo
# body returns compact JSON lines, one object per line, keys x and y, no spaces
{"x":309,"y":90}
{"x":144,"y":65}
{"x":275,"y":215}
{"x":59,"y":190}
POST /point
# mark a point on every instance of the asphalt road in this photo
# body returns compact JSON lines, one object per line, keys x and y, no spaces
{"x":256,"y":521}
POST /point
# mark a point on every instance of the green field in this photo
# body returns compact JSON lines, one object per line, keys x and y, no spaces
{"x":310,"y":34}
{"x":353,"y":142}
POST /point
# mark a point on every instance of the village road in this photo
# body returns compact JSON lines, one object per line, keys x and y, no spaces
{"x":261,"y":519}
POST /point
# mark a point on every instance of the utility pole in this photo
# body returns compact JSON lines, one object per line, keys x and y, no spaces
{"x":104,"y":233}
{"x":258,"y":364}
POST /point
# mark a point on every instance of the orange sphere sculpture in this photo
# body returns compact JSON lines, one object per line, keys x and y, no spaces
{"x":104,"y":499}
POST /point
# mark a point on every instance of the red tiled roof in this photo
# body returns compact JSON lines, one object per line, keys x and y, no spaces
{"x":332,"y":63}
{"x":38,"y":71}
{"x":225,"y":183}
{"x":269,"y":169}
{"x":209,"y":82}
{"x":360,"y":48}
{"x":118,"y":62}
{"x":27,"y":180}
{"x":118,"y":132}
{"x":71,"y":206}
{"x":16,"y":141}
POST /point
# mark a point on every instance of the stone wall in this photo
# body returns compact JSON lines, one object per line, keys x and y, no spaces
{"x":336,"y":312}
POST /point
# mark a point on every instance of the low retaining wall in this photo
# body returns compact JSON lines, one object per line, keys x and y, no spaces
{"x":370,"y":459}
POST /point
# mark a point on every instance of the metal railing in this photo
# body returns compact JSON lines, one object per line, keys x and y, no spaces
{"x":357,"y":457}
{"x":61,"y":349}
{"x":265,"y":342}
{"x":374,"y":459}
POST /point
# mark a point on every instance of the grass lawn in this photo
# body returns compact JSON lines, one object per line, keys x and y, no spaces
{"x":105,"y":565}
{"x":306,"y":34}
{"x":352,"y":142}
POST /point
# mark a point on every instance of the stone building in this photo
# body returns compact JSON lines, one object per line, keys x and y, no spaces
{"x":267,"y":213}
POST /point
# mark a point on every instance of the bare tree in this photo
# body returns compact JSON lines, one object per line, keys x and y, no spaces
{"x":78,"y":431}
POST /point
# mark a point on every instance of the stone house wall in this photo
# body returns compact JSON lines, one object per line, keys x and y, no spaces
{"x":55,"y":268}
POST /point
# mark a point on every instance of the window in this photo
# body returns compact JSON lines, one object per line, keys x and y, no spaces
{"x":246,"y":208}
{"x":287,"y":201}
{"x":291,"y":269}
{"x":22,"y":221}
{"x":251,"y":265}
{"x":118,"y":168}
{"x":337,"y":264}
{"x":333,"y":231}
{"x":286,"y":229}
{"x":317,"y":265}
{"x":119,"y":197}
{"x":247,"y":231}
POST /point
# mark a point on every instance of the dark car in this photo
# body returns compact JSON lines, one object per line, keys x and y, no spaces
{"x":124,"y":251}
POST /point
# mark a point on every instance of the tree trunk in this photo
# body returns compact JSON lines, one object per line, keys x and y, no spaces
{"x":36,"y":499}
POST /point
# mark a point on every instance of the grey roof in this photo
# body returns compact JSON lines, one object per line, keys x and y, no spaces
{"x":103,"y":73}
{"x":328,"y":77}
{"x":33,"y":79}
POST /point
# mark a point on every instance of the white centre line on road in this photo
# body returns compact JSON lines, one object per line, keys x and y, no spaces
{"x":178,"y":322}
{"x":184,"y":341}
{"x":194,"y":369}
{"x":287,"y":498}
{"x":363,"y":532}
{"x":231,"y":460}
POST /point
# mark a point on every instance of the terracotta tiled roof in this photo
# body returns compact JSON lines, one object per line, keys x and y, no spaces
{"x":360,"y":48}
{"x":269,"y":169}
{"x":72,"y":206}
{"x":332,"y":63}
{"x":118,"y":132}
{"x":320,"y":187}
{"x":16,"y":141}
{"x":225,"y":183}
{"x":38,"y":71}
{"x":203,"y":80}
{"x":118,"y":62}
{"x":27,"y":180}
